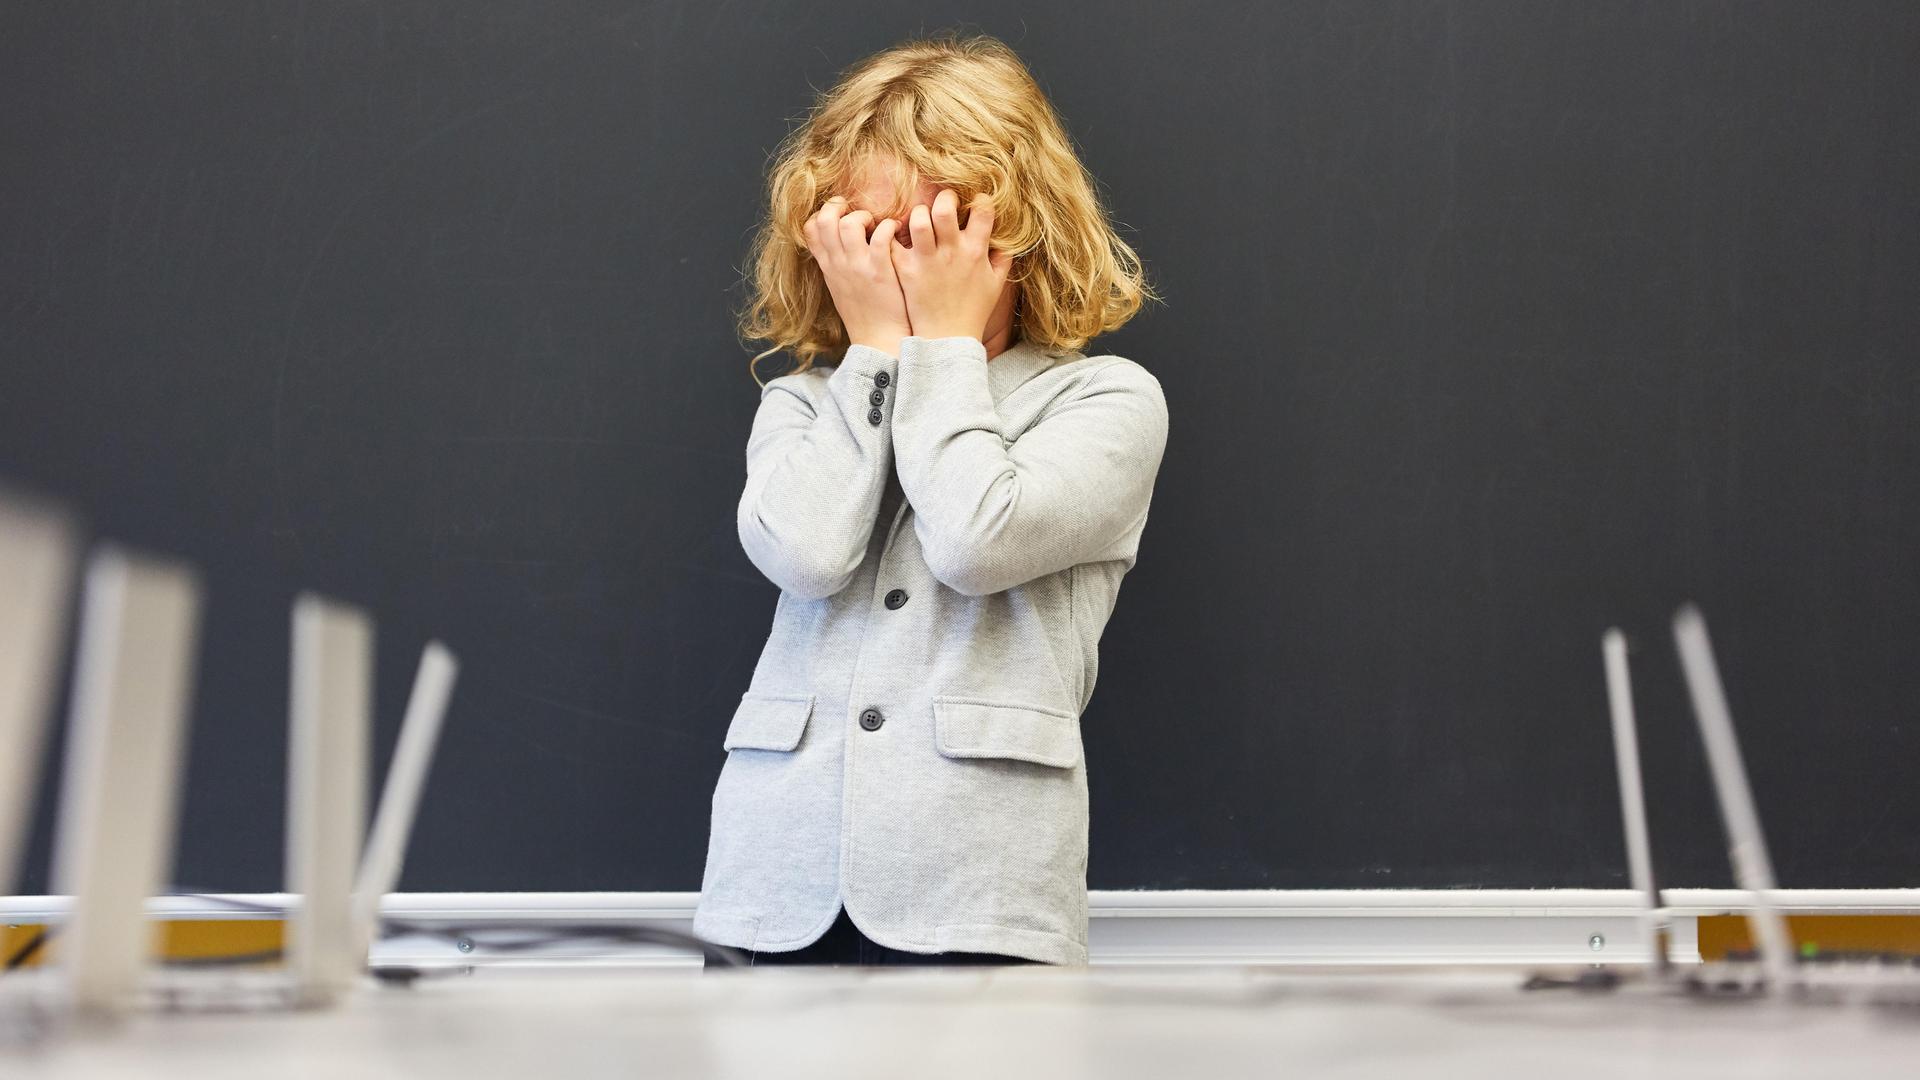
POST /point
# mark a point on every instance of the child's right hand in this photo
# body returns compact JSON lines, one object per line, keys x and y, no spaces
{"x":860,"y":275}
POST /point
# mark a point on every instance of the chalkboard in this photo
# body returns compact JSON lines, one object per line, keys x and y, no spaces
{"x":1488,"y":325}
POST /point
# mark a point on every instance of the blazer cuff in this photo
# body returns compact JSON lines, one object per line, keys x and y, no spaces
{"x":948,"y":376}
{"x":947,"y":439}
{"x":864,"y":386}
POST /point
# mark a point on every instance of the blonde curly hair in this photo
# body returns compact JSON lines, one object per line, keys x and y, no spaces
{"x":964,"y":113}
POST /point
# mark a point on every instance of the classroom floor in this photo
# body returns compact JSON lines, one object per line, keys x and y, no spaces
{"x":1006,"y":1022}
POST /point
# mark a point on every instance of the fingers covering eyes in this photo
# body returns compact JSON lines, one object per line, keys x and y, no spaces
{"x":946,"y":217}
{"x":980,"y":218}
{"x":853,"y":229}
{"x":834,"y":229}
{"x":920,"y":226}
{"x":822,"y":229}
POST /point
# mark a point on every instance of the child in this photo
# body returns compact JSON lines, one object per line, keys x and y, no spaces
{"x":948,"y":511}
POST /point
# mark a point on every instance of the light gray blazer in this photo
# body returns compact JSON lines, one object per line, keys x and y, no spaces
{"x":948,"y":534}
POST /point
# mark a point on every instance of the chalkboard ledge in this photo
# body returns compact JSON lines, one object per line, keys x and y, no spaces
{"x":1138,"y":927}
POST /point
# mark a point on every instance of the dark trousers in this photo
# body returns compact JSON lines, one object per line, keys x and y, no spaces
{"x":843,"y":943}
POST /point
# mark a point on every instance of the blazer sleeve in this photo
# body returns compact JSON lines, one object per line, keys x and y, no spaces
{"x":990,"y":516}
{"x":817,"y":465}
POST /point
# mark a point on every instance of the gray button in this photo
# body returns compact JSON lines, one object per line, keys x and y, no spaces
{"x":878,"y":397}
{"x":871,"y":719}
{"x":880,"y":378}
{"x":896,"y":597}
{"x":873,"y":416}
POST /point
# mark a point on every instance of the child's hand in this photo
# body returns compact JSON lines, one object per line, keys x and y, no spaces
{"x":859,"y":273}
{"x":952,"y":277}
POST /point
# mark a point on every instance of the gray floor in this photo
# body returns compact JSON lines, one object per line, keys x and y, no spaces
{"x":1004,"y":1022}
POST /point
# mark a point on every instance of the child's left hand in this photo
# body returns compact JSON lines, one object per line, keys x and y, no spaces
{"x":952,"y":277}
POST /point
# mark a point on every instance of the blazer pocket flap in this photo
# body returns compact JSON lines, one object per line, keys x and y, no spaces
{"x":969,"y":727}
{"x":768,"y":721}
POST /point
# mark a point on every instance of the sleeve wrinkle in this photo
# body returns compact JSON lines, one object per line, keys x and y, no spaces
{"x":992,"y":515}
{"x":814,"y":478}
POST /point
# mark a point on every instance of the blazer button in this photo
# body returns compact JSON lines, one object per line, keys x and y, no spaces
{"x":873,"y":416}
{"x":871,"y":719}
{"x":880,"y":378}
{"x":878,"y":397}
{"x":896,"y":597}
